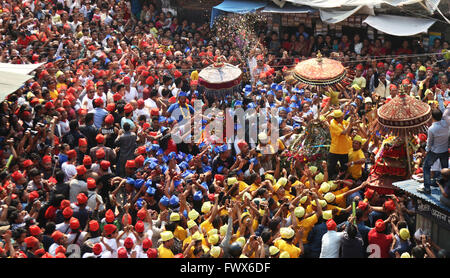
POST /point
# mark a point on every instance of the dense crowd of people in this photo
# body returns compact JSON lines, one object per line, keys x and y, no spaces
{"x":89,"y":167}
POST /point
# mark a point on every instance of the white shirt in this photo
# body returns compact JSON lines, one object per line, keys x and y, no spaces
{"x":92,"y":203}
{"x":112,"y":243}
{"x":131,"y":95}
{"x":69,"y":170}
{"x":76,"y":186}
{"x":71,"y":238}
{"x":150,"y":103}
{"x":143,"y":111}
{"x":86,"y":103}
{"x":52,"y":249}
{"x":331,"y":243}
{"x":63,"y":227}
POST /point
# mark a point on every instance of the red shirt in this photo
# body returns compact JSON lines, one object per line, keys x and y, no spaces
{"x":382,"y":240}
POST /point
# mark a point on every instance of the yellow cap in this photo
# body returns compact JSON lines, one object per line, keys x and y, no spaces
{"x":58,"y":73}
{"x":333,"y":185}
{"x":404,"y":233}
{"x":319,"y":178}
{"x":356,"y":87}
{"x":285,"y":255}
{"x":245,"y":214}
{"x":338,"y":113}
{"x":206,"y":207}
{"x":223,"y":229}
{"x":303,"y":199}
{"x":194,"y":75}
{"x":299,"y":212}
{"x":231,"y":181}
{"x":422,"y":68}
{"x":246,"y":196}
{"x":322,"y":118}
{"x":327,"y":214}
{"x":166,"y":235}
{"x":213,"y":239}
{"x":405,"y":255}
{"x":193,"y":214}
{"x":329,"y":197}
{"x":242,"y":256}
{"x":276,"y":187}
{"x":262,"y":212}
{"x":213,"y":232}
{"x":174,"y":217}
{"x":191,"y":223}
{"x":269,"y":177}
{"x":323,"y":203}
{"x":215,"y":251}
{"x":273,"y":250}
{"x":287,"y":233}
{"x":197,"y":236}
{"x":282,"y":181}
{"x":358,"y":138}
{"x":313,"y":169}
{"x":428,"y":91}
{"x":325,"y":187}
{"x":241,"y":241}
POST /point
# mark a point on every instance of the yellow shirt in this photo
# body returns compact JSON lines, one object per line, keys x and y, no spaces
{"x":207,"y":225}
{"x":340,"y":144}
{"x":340,"y":201}
{"x":294,"y":251}
{"x":163,"y":252}
{"x":180,"y":233}
{"x":360,"y":81}
{"x":242,"y":185}
{"x":334,"y":97}
{"x":54,"y":94}
{"x":339,"y":209}
{"x":308,"y":224}
{"x":340,"y":191}
{"x":254,"y":187}
{"x":356,"y":169}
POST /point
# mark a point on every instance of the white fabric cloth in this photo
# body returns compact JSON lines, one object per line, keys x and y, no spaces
{"x":399,"y":25}
{"x":331,"y":243}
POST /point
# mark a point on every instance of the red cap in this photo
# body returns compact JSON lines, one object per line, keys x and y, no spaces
{"x":104,"y":164}
{"x":219,"y":177}
{"x":100,"y":153}
{"x":81,"y":199}
{"x":91,"y":183}
{"x":179,"y":256}
{"x":422,"y":137}
{"x":109,"y":119}
{"x":93,"y":226}
{"x":100,"y":138}
{"x":380,"y":65}
{"x":139,"y":227}
{"x":362,"y":205}
{"x":152,"y":253}
{"x":122,"y":253}
{"x":57,"y":235}
{"x":147,"y":243}
{"x":241,"y":144}
{"x":39,"y":252}
{"x":128,"y":243}
{"x":194,"y":82}
{"x":379,"y":225}
{"x":399,"y":66}
{"x":177,"y":74}
{"x":145,"y":126}
{"x":109,"y":216}
{"x":359,"y":67}
{"x":139,"y":161}
{"x":142,"y":213}
{"x":60,"y":249}
{"x":140,"y":103}
{"x":65,"y":204}
{"x":172,"y":99}
{"x":97,"y":249}
{"x":49,"y":105}
{"x":369,"y":193}
{"x":130,"y":164}
{"x":31,"y":241}
{"x":111,"y":107}
{"x":128,"y":108}
{"x":117,"y":97}
{"x":67,"y":212}
{"x":154,"y":112}
{"x":35,"y":230}
{"x":82,"y":142}
{"x":46,"y":159}
{"x":126,"y":80}
{"x":71,"y":154}
{"x":126,"y":218}
{"x":87,"y":160}
{"x":389,"y":205}
{"x":16,"y":176}
{"x":81,"y":170}
{"x":98,"y":102}
{"x":27,"y":163}
{"x":33,"y":196}
{"x":109,"y":228}
{"x":392,"y":87}
{"x":150,"y":80}
{"x":410,"y":75}
{"x":66,"y":103}
{"x":74,"y":223}
{"x":331,"y":225}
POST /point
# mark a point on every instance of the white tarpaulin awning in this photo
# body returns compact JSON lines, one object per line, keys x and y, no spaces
{"x":288,"y":9}
{"x":399,"y":25}
{"x":350,"y":3}
{"x":13,"y":76}
{"x":332,"y":16}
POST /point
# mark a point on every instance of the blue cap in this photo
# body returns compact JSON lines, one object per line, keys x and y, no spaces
{"x":165,"y":158}
{"x":152,"y":165}
{"x":279,"y":87}
{"x":219,"y":169}
{"x":189,"y":157}
{"x":282,"y":109}
{"x":205,"y":185}
{"x":163,"y":129}
{"x":239,"y":172}
{"x":238,"y":102}
{"x":139,"y":203}
{"x":360,"y":97}
{"x":251,"y":105}
{"x":94,"y":60}
{"x":170,"y":120}
{"x":295,"y":90}
{"x":259,"y":83}
{"x":162,"y":119}
{"x":164,"y":200}
{"x":248,"y":88}
{"x":172,"y":155}
{"x":273,"y":86}
{"x":206,"y":168}
{"x":187,"y":173}
{"x":151,"y":191}
{"x":294,"y":98}
{"x":183,"y":165}
{"x":198,"y":196}
{"x":354,"y":104}
{"x":182,"y":94}
{"x":160,"y":151}
{"x":176,"y":183}
{"x":293,"y":106}
{"x":295,"y":125}
{"x":254,"y":161}
{"x":263,"y":90}
{"x":164,"y":169}
{"x":131,"y":181}
{"x":138,"y":183}
{"x":148,"y":183}
{"x":185,"y":214}
{"x":174,"y":201}
{"x":154,"y":147}
{"x":181,"y":156}
{"x":270,"y":93}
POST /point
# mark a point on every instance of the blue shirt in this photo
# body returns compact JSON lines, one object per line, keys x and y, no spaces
{"x":99,"y":116}
{"x":180,"y":112}
{"x":315,"y":237}
{"x":437,"y":141}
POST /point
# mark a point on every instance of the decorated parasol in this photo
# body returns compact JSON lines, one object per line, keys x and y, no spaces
{"x":321,"y":73}
{"x":220,"y":78}
{"x":399,"y":119}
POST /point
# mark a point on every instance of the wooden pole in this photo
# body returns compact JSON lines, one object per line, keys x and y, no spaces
{"x":408,"y":156}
